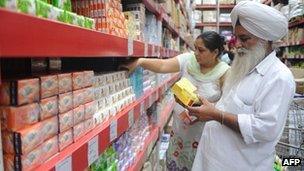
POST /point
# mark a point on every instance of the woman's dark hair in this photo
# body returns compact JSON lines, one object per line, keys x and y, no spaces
{"x":213,"y":41}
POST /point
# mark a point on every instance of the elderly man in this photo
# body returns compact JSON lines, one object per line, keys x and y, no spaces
{"x":246,"y":124}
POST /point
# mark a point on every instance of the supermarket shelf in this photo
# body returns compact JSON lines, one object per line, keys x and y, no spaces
{"x":152,"y":7}
{"x":214,"y":7}
{"x":165,"y":115}
{"x":298,"y":43}
{"x":142,"y":155}
{"x":213,"y":24}
{"x":296,"y":23}
{"x":78,"y":151}
{"x":31,"y":36}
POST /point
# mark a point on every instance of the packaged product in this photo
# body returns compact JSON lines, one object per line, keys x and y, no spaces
{"x":9,"y":4}
{"x":24,"y":162}
{"x":78,"y":97}
{"x":48,"y":107}
{"x":78,"y":131}
{"x":78,"y":114}
{"x":65,"y":102}
{"x":15,"y":118}
{"x":78,"y":79}
{"x":65,"y":82}
{"x":19,"y":92}
{"x":89,"y":125}
{"x":65,"y":139}
{"x":56,"y":14}
{"x":185,"y":92}
{"x":49,"y":127}
{"x":26,"y":6}
{"x":48,"y":86}
{"x":66,"y":121}
{"x":22,"y":141}
{"x":62,"y":4}
{"x":43,"y":9}
{"x":90,"y":109}
{"x":88,"y":95}
{"x":89,"y":23}
{"x":80,"y":21}
{"x":88,"y":78}
{"x":49,"y":148}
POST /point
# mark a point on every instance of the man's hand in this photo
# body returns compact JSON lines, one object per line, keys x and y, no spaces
{"x":205,"y":112}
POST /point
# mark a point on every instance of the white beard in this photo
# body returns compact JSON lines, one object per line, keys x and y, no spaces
{"x":245,"y":60}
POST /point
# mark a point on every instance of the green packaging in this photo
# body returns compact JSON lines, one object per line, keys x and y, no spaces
{"x":43,"y":9}
{"x":89,"y":23}
{"x":62,"y":4}
{"x":26,"y":6}
{"x":80,"y":21}
{"x":9,"y":4}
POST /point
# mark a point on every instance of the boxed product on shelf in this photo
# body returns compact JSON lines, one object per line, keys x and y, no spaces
{"x":9,"y":4}
{"x":66,"y":121}
{"x":88,"y":78}
{"x":15,"y":118}
{"x":90,"y":109}
{"x":25,"y":162}
{"x":62,"y":4}
{"x":49,"y":127}
{"x":209,"y":16}
{"x":88,"y":95}
{"x":22,"y":141}
{"x":209,"y":2}
{"x":48,"y":86}
{"x":197,"y":16}
{"x":225,"y":17}
{"x":49,"y":148}
{"x":226,"y":1}
{"x":78,"y":131}
{"x":65,"y":82}
{"x":19,"y":92}
{"x":65,"y":102}
{"x":48,"y":107}
{"x":89,"y":124}
{"x":78,"y":97}
{"x":26,"y":6}
{"x":78,"y":80}
{"x":65,"y":139}
{"x":78,"y":114}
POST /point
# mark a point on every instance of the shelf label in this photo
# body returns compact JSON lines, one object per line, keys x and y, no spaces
{"x":130,"y":46}
{"x":113,"y":130}
{"x":131,"y":117}
{"x":93,"y":150}
{"x":142,"y":107}
{"x":65,"y":165}
{"x":146,"y":50}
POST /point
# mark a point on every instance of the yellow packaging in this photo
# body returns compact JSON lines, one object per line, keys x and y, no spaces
{"x":184,"y":91}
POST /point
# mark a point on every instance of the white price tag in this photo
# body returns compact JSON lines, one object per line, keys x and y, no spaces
{"x":142,"y":106}
{"x":131,"y":117}
{"x":113,"y":130}
{"x":146,"y":50}
{"x":65,"y":165}
{"x":130,"y":46}
{"x":93,"y":150}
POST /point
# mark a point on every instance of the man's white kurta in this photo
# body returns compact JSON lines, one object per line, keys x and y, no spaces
{"x":260,"y":101}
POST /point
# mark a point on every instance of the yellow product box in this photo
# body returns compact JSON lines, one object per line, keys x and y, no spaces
{"x":184,"y":91}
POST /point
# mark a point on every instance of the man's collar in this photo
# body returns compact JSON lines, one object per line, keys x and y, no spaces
{"x":263,"y":66}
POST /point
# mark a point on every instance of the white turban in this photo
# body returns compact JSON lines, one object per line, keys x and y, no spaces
{"x":260,"y":20}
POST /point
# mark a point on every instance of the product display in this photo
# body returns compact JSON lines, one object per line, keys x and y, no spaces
{"x":48,"y":107}
{"x":66,"y":121}
{"x":64,"y":82}
{"x":65,"y":139}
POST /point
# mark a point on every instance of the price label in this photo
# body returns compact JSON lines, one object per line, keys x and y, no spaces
{"x":131,"y":117}
{"x":93,"y":150}
{"x":65,"y":165}
{"x":130,"y":46}
{"x":113,"y":130}
{"x":146,"y":50}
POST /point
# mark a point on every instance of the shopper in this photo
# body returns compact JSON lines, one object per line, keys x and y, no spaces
{"x":244,"y":127}
{"x":206,"y":72}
